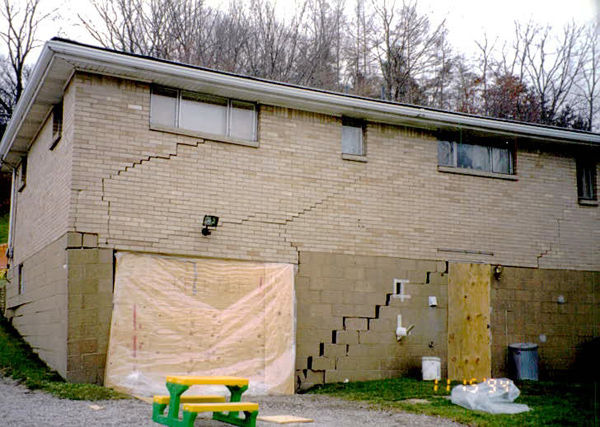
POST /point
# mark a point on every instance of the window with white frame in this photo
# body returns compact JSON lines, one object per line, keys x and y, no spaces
{"x":202,"y":113}
{"x":586,"y":180}
{"x":492,"y":157}
{"x":352,"y":137}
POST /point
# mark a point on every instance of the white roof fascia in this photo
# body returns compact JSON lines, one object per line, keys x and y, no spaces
{"x":22,"y":108}
{"x":86,"y":58}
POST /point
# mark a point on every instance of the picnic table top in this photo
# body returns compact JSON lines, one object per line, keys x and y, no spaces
{"x":206,"y":380}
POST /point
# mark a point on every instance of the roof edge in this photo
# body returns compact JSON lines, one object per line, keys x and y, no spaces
{"x":27,"y":97}
{"x":277,"y":93}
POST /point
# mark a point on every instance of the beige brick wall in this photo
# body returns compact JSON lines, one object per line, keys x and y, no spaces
{"x":147,"y":190}
{"x":40,"y":313}
{"x":346,"y":317}
{"x":40,"y":227}
{"x":525,"y":306}
{"x":42,"y":207}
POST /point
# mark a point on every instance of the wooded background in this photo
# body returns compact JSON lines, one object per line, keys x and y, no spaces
{"x":374,"y":48}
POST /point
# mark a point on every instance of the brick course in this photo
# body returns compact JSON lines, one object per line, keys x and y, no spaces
{"x":147,"y":190}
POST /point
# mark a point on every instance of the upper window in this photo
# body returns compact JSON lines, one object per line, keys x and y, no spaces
{"x":57,"y":123}
{"x":352,"y":137}
{"x":22,"y":174}
{"x":586,"y":181}
{"x":20,"y":279}
{"x":203,"y":113}
{"x":496,"y":158}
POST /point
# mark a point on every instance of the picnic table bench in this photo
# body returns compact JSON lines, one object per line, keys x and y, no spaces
{"x":226,"y":411}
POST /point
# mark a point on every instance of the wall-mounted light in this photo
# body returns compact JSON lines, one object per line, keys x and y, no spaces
{"x":498,"y":271}
{"x":209,"y":221}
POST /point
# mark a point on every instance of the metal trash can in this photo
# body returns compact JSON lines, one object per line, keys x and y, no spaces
{"x":523,"y":361}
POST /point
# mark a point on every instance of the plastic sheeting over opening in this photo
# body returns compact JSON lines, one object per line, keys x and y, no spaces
{"x":495,"y":396}
{"x":188,"y":316}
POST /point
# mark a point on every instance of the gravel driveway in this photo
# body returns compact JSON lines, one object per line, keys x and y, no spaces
{"x":21,"y":407}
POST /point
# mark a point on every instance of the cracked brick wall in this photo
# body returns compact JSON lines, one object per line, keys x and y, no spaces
{"x":143,"y":190}
{"x":147,"y":190}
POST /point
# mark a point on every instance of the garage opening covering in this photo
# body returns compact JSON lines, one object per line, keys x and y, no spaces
{"x":190,"y":316}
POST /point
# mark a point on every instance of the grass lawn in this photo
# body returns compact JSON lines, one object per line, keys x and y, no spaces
{"x":551,"y":403}
{"x":4,"y":228}
{"x":18,"y":361}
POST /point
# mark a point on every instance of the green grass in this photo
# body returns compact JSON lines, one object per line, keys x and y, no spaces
{"x":551,"y":403}
{"x":18,"y":361}
{"x":4,"y":228}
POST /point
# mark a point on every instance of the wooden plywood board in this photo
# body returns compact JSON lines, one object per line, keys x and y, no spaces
{"x":284,"y":419}
{"x":469,"y":349}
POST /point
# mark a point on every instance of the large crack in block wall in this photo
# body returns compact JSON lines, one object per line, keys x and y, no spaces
{"x":347,"y":317}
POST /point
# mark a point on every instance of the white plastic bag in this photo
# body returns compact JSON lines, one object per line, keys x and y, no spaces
{"x":495,"y":396}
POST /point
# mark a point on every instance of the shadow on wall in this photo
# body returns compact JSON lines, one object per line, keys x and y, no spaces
{"x":587,"y":367}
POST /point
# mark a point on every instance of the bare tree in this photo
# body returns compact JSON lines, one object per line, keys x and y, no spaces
{"x":588,"y":85}
{"x":406,"y":47}
{"x":22,"y":20}
{"x":135,"y":26}
{"x":360,"y":74}
{"x":552,"y":65}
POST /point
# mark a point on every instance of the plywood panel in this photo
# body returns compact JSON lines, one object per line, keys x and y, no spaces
{"x":469,"y":350}
{"x":190,"y":316}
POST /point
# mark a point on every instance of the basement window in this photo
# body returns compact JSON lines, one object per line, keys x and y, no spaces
{"x":57,"y":124}
{"x":463,"y":153}
{"x":203,"y":115}
{"x":586,"y":182}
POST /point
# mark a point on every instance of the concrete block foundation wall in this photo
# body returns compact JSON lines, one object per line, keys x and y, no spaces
{"x":525,"y":307}
{"x":65,"y":309}
{"x":347,"y":317}
{"x":90,"y":307}
{"x":39,"y":313}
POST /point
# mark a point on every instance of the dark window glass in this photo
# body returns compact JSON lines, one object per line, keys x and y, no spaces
{"x":445,"y":153}
{"x":586,"y":180}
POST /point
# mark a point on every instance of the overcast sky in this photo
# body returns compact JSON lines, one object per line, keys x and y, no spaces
{"x":467,"y":20}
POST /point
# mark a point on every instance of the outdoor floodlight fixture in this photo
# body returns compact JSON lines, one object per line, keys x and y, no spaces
{"x":498,"y":271}
{"x":209,"y":221}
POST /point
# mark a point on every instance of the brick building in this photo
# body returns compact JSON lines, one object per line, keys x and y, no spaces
{"x":378,"y":206}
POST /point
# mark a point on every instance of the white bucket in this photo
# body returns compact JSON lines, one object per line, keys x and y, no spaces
{"x":431,"y":368}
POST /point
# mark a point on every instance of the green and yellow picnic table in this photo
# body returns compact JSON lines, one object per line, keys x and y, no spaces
{"x":223,"y":410}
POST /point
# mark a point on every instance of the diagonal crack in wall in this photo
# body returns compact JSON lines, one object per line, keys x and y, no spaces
{"x":552,"y":247}
{"x":132,"y":165}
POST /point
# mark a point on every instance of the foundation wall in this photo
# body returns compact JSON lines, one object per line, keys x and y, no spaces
{"x":89,"y":308}
{"x":525,"y":308}
{"x":40,"y":313}
{"x":347,"y":317}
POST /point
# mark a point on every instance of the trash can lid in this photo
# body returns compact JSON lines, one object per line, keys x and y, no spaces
{"x":523,"y":346}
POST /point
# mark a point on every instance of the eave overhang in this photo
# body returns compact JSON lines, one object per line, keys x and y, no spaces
{"x":59,"y":59}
